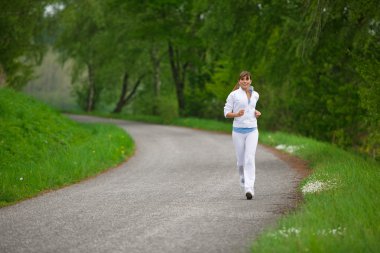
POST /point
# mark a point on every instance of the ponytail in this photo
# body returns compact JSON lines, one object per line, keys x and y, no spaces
{"x":236,"y":86}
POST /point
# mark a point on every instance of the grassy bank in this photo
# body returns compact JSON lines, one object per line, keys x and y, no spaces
{"x":339,"y":213}
{"x":42,"y":150}
{"x":341,"y":197}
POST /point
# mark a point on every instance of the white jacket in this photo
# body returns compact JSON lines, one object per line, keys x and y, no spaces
{"x":238,"y":100}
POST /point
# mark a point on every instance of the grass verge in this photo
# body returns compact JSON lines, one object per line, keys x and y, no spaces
{"x":42,"y":150}
{"x":341,"y":197}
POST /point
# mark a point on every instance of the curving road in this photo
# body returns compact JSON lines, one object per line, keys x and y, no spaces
{"x":178,"y":193}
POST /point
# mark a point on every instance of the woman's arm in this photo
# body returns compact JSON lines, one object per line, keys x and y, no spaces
{"x":257,"y":113}
{"x":234,"y":115}
{"x":228,"y":108}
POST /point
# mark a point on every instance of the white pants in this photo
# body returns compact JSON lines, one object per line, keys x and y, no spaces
{"x":245,"y":147}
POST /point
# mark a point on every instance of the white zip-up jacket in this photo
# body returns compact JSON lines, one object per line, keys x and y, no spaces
{"x":238,"y":100}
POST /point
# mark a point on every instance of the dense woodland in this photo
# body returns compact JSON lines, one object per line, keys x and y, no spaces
{"x":316,"y":64}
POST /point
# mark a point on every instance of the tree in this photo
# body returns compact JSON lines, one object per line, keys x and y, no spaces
{"x":310,"y":62}
{"x":83,"y":30}
{"x":172,"y":26}
{"x":21,"y":45}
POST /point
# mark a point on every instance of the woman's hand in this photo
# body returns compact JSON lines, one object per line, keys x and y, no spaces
{"x":240,"y":113}
{"x":257,"y":113}
{"x":235,"y":114}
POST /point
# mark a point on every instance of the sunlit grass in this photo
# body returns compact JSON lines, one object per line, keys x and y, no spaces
{"x":42,"y":150}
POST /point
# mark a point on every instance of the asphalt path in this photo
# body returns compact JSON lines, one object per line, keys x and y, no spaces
{"x":180,"y":192}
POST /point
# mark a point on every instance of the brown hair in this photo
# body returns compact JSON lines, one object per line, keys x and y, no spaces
{"x":242,"y":74}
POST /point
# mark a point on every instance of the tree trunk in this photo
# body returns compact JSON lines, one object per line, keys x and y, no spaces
{"x":119,"y":105}
{"x":178,"y":73}
{"x":3,"y":76}
{"x":123,"y":101}
{"x":156,"y":61}
{"x":91,"y":89}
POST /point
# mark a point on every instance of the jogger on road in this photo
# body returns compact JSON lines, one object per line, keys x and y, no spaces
{"x":241,"y":106}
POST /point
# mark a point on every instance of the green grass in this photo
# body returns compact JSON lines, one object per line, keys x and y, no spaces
{"x":42,"y":150}
{"x":342,"y":217}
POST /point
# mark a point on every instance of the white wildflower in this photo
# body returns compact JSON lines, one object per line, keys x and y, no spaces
{"x":289,"y":149}
{"x":311,"y":187}
{"x":286,"y":232}
{"x":318,"y":185}
{"x":281,"y":147}
{"x":21,"y":178}
{"x":333,"y":231}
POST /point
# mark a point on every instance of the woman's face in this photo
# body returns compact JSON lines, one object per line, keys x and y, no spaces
{"x":245,"y":82}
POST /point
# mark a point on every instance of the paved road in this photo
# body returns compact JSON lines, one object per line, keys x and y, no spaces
{"x":178,"y":193}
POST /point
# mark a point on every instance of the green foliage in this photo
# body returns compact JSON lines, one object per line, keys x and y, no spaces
{"x":81,"y":29}
{"x":368,"y":67}
{"x":103,"y":39}
{"x":21,"y":47}
{"x":310,"y":64}
{"x":315,"y":63}
{"x":167,"y":109}
{"x":41,"y":150}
